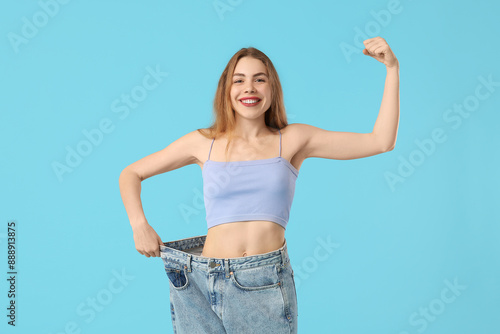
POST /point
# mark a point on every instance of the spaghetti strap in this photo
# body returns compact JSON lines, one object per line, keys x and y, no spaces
{"x":280,"y":141}
{"x":210,"y":149}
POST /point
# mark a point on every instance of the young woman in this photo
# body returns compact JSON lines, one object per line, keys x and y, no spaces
{"x":237,"y":278}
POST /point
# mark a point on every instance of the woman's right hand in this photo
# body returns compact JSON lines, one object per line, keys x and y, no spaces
{"x":147,"y":241}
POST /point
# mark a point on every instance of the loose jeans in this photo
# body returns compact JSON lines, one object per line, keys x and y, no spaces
{"x":251,"y":294}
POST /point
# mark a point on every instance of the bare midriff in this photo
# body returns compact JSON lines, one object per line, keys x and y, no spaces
{"x":239,"y":239}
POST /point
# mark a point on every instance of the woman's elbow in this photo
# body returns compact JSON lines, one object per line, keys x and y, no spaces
{"x":126,"y":173}
{"x":390,"y":148}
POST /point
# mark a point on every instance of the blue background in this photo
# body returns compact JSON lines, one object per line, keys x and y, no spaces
{"x":397,"y":248}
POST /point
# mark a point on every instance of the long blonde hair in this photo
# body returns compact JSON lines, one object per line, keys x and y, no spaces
{"x":223,"y":114}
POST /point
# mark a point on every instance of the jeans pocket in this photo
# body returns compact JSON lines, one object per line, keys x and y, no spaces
{"x":258,"y":278}
{"x":177,"y":274}
{"x":178,"y":278}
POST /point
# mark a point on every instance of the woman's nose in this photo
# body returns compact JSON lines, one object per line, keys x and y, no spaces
{"x":249,"y":88}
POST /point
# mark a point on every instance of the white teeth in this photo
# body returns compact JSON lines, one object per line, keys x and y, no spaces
{"x":249,"y":101}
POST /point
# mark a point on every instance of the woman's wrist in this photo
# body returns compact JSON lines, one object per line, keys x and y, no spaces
{"x":138,"y":223}
{"x":393,"y":67}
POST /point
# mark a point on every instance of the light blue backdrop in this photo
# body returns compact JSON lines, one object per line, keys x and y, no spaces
{"x":404,"y":242}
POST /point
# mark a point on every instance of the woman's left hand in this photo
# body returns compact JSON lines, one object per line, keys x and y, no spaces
{"x":378,"y":48}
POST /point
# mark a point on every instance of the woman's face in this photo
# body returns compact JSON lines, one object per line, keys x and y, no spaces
{"x":250,"y":89}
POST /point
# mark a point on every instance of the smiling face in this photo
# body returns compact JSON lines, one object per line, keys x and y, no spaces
{"x":250,"y":88}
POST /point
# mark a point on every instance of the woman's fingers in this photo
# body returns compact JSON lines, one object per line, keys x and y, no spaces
{"x":378,"y":48}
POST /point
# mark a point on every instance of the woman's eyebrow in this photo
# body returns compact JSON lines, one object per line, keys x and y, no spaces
{"x":255,"y":75}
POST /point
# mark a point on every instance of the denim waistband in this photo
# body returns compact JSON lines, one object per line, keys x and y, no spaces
{"x":175,"y":252}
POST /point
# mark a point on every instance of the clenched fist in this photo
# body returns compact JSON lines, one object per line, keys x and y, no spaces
{"x":378,"y":48}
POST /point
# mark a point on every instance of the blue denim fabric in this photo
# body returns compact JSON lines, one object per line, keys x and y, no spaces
{"x":251,"y":294}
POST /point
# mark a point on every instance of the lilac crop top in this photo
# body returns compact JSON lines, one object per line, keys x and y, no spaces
{"x":248,"y":190}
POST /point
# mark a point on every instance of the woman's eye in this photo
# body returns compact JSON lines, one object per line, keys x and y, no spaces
{"x":257,"y":79}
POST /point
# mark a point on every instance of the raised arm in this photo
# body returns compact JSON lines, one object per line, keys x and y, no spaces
{"x":386,"y":125}
{"x":178,"y":154}
{"x":327,"y":144}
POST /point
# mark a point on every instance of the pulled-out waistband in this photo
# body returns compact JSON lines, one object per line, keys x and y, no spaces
{"x":177,"y":254}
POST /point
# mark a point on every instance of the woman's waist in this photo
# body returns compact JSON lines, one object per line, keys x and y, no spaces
{"x":240,"y":239}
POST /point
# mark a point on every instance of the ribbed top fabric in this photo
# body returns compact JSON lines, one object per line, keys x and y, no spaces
{"x":248,"y":190}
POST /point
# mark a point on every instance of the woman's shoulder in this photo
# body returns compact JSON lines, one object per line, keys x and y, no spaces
{"x":295,"y":130}
{"x":200,"y":135}
{"x":293,"y":127}
{"x":201,"y":139}
{"x":192,"y":142}
{"x":300,"y":130}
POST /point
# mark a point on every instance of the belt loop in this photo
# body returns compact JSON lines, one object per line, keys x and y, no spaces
{"x":188,"y":264}
{"x":283,"y":251}
{"x":226,"y":267}
{"x":283,"y":257}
